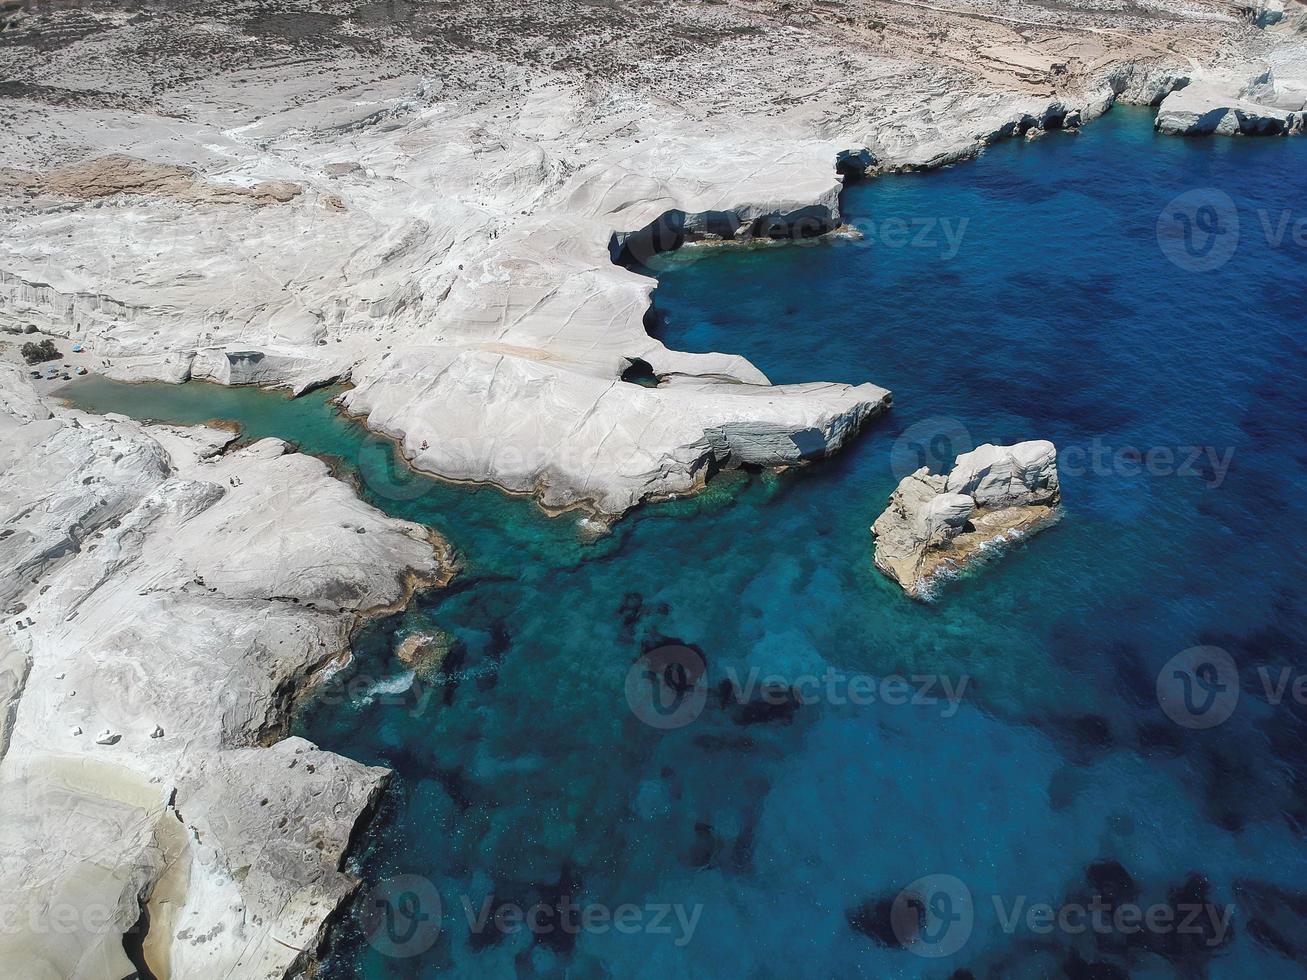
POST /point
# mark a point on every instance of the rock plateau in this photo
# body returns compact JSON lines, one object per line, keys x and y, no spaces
{"x":170,"y":599}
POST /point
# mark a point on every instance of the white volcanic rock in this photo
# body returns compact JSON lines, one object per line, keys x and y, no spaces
{"x":945,"y":515}
{"x":942,"y":523}
{"x":1224,"y":107}
{"x":1286,"y":16}
{"x":532,"y":427}
{"x":172,"y":590}
{"x":427,"y":202}
{"x":293,"y":215}
{"x":920,"y":514}
{"x":1002,"y":476}
{"x":62,"y":478}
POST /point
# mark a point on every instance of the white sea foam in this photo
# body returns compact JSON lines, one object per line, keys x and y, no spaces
{"x":399,"y":684}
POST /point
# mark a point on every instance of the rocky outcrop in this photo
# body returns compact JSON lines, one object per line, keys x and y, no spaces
{"x":1280,"y":16}
{"x":445,"y":201}
{"x":165,"y":601}
{"x":937,"y":524}
{"x":1225,"y":108}
{"x":493,"y":417}
{"x":425,"y":653}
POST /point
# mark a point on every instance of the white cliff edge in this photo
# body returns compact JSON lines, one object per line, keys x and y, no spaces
{"x":1261,"y":106}
{"x":441,"y":231}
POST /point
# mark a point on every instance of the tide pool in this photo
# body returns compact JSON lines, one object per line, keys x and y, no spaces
{"x":1006,"y":737}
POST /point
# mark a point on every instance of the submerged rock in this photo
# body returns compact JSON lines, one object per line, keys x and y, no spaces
{"x":936,"y":523}
{"x":424,"y":652}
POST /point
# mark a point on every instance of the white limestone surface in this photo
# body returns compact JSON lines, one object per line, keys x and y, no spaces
{"x":452,"y":189}
{"x":163,"y":604}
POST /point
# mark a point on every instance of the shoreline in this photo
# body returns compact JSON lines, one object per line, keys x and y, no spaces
{"x":305,"y":687}
{"x":193,"y":752}
{"x":505,"y":335}
{"x":588,"y":507}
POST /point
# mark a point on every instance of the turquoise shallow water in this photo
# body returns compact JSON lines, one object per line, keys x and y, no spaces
{"x":523,"y":773}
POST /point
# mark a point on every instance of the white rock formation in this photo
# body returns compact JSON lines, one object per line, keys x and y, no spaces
{"x":941,"y":523}
{"x":428,"y":201}
{"x":1006,"y":476}
{"x":1286,"y":16}
{"x":171,"y":601}
{"x":1206,"y":108}
{"x":381,"y":198}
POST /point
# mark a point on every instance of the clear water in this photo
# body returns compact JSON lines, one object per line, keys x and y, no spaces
{"x":523,"y":773}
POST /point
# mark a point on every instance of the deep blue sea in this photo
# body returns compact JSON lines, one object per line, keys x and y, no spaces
{"x":1138,"y":300}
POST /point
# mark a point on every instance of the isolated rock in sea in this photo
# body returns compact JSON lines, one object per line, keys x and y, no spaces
{"x":937,"y":523}
{"x":424,"y":652}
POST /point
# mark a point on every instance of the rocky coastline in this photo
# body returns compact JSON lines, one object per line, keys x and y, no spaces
{"x":165,"y":602}
{"x":445,"y":212}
